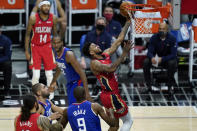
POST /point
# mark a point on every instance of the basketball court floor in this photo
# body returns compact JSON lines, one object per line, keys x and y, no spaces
{"x":165,"y":118}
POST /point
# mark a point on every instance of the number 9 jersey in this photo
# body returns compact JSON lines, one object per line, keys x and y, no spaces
{"x":82,"y":118}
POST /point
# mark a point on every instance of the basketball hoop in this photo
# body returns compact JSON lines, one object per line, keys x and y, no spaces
{"x":145,"y":18}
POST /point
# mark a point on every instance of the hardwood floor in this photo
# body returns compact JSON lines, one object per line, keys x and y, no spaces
{"x":160,"y":118}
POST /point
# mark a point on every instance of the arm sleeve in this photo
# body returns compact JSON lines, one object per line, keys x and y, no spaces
{"x":151,"y":49}
{"x":173,"y":52}
{"x":109,"y":41}
{"x":119,"y":28}
{"x":7,"y":50}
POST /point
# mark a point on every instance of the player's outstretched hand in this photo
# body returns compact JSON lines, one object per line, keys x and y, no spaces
{"x":55,"y":116}
{"x":52,"y":87}
{"x":128,"y":45}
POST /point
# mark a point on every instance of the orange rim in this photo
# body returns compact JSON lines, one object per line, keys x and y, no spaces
{"x":132,"y":7}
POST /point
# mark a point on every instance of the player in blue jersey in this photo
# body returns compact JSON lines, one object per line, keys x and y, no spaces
{"x":83,"y":115}
{"x":70,"y":67}
{"x":46,"y":107}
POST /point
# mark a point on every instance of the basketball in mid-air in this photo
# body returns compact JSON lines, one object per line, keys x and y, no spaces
{"x":123,"y":10}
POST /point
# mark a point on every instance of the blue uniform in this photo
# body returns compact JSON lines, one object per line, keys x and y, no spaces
{"x":113,"y":28}
{"x":47,"y":108}
{"x":103,"y":40}
{"x":72,"y":77}
{"x":5,"y":48}
{"x":81,"y":117}
{"x":166,"y":49}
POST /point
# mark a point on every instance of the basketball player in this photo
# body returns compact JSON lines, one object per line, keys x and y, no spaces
{"x":57,"y":10}
{"x":83,"y":115}
{"x":70,"y":67}
{"x":104,"y":69}
{"x":27,"y":120}
{"x":41,"y":24}
{"x":46,"y":107}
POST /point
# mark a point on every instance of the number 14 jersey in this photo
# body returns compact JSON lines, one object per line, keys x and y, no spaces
{"x":42,"y":30}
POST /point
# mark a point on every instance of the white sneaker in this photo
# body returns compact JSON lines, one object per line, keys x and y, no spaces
{"x":154,"y":88}
{"x":51,"y":96}
{"x":164,"y":88}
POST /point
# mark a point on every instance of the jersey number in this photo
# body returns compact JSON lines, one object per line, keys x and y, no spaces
{"x":43,"y":39}
{"x":81,"y":124}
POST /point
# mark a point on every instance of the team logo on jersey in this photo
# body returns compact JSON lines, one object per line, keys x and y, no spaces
{"x":43,"y":29}
{"x":39,"y":22}
{"x":48,"y":22}
{"x":26,"y":123}
{"x":61,"y":65}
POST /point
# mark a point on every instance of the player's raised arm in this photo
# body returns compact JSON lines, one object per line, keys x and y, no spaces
{"x":96,"y":66}
{"x":98,"y":109}
{"x":120,"y":38}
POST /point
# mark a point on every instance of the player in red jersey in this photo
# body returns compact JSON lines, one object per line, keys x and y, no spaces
{"x":43,"y":24}
{"x":27,"y":120}
{"x":104,"y":69}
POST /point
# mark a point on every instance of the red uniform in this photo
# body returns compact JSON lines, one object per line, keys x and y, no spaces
{"x":110,"y":96}
{"x":30,"y":125}
{"x":41,"y":44}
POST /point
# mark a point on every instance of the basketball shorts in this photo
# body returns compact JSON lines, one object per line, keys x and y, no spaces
{"x":114,"y":101}
{"x":70,"y":89}
{"x":41,"y":54}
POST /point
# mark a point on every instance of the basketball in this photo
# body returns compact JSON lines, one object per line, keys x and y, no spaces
{"x":123,"y":10}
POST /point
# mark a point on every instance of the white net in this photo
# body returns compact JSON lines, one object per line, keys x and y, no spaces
{"x":145,"y":22}
{"x":142,"y":26}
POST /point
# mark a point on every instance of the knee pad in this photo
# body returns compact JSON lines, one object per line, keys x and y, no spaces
{"x":49,"y":76}
{"x":35,"y":76}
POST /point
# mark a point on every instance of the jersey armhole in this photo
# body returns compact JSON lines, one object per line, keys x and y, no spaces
{"x":93,"y":111}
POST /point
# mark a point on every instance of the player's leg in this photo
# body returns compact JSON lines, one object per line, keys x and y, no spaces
{"x":35,"y":64}
{"x":49,"y":76}
{"x":70,"y":90}
{"x":127,"y":122}
{"x":49,"y":64}
{"x":121,"y":111}
{"x":35,"y":76}
{"x":107,"y":100}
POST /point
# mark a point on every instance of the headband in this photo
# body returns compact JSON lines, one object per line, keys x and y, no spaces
{"x":43,"y":3}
